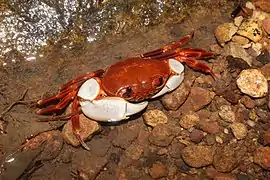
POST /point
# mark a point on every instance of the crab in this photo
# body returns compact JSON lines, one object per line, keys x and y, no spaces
{"x":124,"y":88}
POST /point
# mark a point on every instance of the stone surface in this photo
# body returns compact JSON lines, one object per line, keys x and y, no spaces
{"x":224,"y":32}
{"x":155,"y":117}
{"x":240,"y":40}
{"x":158,"y":170}
{"x":262,"y":157}
{"x":247,"y":102}
{"x":251,"y":30}
{"x":238,"y":20}
{"x":266,"y":70}
{"x":198,"y":156}
{"x":239,"y":130}
{"x":88,"y":127}
{"x":253,"y":83}
{"x":196,"y":135}
{"x":209,"y":127}
{"x":162,"y":135}
{"x":189,"y":120}
{"x":226,"y":113}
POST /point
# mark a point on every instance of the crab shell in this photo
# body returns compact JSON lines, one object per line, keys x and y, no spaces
{"x":126,"y":85}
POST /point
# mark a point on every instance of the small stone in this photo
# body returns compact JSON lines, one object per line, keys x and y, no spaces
{"x":264,"y":57}
{"x":162,"y":135}
{"x":226,"y":113}
{"x":266,"y":138}
{"x":240,"y":40}
{"x":247,"y":102}
{"x":249,"y":5}
{"x":238,"y":20}
{"x":196,"y":136}
{"x":263,"y":4}
{"x":158,"y":170}
{"x":251,"y":30}
{"x":251,"y":123}
{"x":266,"y":70}
{"x":155,"y":117}
{"x":253,"y":83}
{"x":257,"y":48}
{"x":262,"y":157}
{"x":198,"y":156}
{"x":88,"y":128}
{"x":266,"y":25}
{"x":224,"y":32}
{"x":239,"y":130}
{"x":219,"y":140}
{"x":210,"y":127}
{"x":189,"y":120}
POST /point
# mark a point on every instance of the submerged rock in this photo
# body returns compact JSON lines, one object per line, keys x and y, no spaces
{"x":253,"y":83}
{"x":224,"y":32}
{"x":251,"y":30}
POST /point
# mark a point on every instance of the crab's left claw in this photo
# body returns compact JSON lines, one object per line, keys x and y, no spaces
{"x":105,"y":109}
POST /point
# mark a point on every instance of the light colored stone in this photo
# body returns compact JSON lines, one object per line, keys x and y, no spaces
{"x":249,"y":5}
{"x":238,"y":20}
{"x":240,"y":40}
{"x":253,"y":83}
{"x":155,"y":117}
{"x":257,"y":47}
{"x":239,"y":130}
{"x":226,"y":113}
{"x":251,"y":30}
{"x":189,"y":120}
{"x":224,"y":32}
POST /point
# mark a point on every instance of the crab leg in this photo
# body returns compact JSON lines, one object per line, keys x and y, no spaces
{"x":184,"y":40}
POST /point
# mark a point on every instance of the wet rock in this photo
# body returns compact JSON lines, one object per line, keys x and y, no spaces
{"x":155,"y":117}
{"x":189,"y":120}
{"x":176,"y":148}
{"x":196,"y":136}
{"x":173,"y":100}
{"x":263,"y":5}
{"x":227,"y":157}
{"x":224,"y":32}
{"x":162,"y":135}
{"x":198,"y":156}
{"x":239,"y":130}
{"x":86,"y":165}
{"x":247,"y":102}
{"x":226,"y":113}
{"x":266,"y":70}
{"x":240,"y":40}
{"x":253,"y":83}
{"x":237,"y":51}
{"x":251,"y":30}
{"x":236,"y":63}
{"x":88,"y":128}
{"x":266,"y":138}
{"x":210,"y":139}
{"x":238,"y":20}
{"x":99,"y":146}
{"x":262,"y":157}
{"x":264,"y":57}
{"x":209,"y":127}
{"x":158,"y":170}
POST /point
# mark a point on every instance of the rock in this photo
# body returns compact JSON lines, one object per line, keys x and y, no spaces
{"x":226,"y":113}
{"x":239,"y":130}
{"x":134,"y":151}
{"x":253,"y":83}
{"x":173,"y":100}
{"x":189,"y":120}
{"x":237,"y":51}
{"x":238,"y":20}
{"x":224,"y":32}
{"x":176,"y":148}
{"x":86,"y":165}
{"x":215,"y":175}
{"x":155,"y":117}
{"x":262,"y":157}
{"x":88,"y":128}
{"x":210,"y":127}
{"x":266,"y":71}
{"x":264,"y":57}
{"x":158,"y":170}
{"x":247,"y":102}
{"x":236,"y":63}
{"x":99,"y":146}
{"x":251,"y":123}
{"x":257,"y":48}
{"x":219,"y":139}
{"x":196,"y":136}
{"x":240,"y":40}
{"x":263,"y":5}
{"x":266,"y":25}
{"x":251,"y":30}
{"x":162,"y":135}
{"x":198,"y":156}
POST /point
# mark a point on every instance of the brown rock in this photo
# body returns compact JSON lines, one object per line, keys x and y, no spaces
{"x":266,"y":138}
{"x":262,"y":157}
{"x":189,"y":120}
{"x":263,"y":4}
{"x":162,"y":135}
{"x":157,"y":170}
{"x":176,"y":148}
{"x":196,"y":136}
{"x":247,"y":102}
{"x":88,"y":128}
{"x":154,"y":117}
{"x":210,"y":127}
{"x":239,"y":130}
{"x":266,"y":70}
{"x":198,"y":156}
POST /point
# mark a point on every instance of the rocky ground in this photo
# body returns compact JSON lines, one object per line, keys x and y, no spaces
{"x":205,"y":129}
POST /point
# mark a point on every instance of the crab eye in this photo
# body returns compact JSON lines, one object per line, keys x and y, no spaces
{"x":158,"y":82}
{"x":127,"y":92}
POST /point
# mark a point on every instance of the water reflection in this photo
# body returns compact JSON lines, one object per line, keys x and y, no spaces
{"x":25,"y":25}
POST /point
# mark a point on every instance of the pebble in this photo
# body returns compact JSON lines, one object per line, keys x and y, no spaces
{"x":266,"y":70}
{"x":262,"y":157}
{"x":219,"y":139}
{"x":265,"y":138}
{"x":238,"y":20}
{"x":253,"y":83}
{"x":162,"y":135}
{"x":257,"y":48}
{"x":155,"y":117}
{"x":251,"y":123}
{"x":158,"y":170}
{"x":239,"y":130}
{"x":196,"y":135}
{"x":225,"y":112}
{"x":264,"y":57}
{"x":251,"y":30}
{"x":266,"y":25}
{"x":88,"y":128}
{"x":263,"y":5}
{"x":224,"y":32}
{"x":198,"y":156}
{"x":189,"y":120}
{"x":247,"y":102}
{"x":210,"y":127}
{"x":240,"y":40}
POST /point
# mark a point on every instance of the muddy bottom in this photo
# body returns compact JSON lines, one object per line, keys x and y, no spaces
{"x":132,"y":149}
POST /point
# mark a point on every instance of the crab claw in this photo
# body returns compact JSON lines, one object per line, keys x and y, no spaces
{"x":108,"y":109}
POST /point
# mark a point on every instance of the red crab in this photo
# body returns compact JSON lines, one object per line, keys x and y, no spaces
{"x":121,"y":90}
